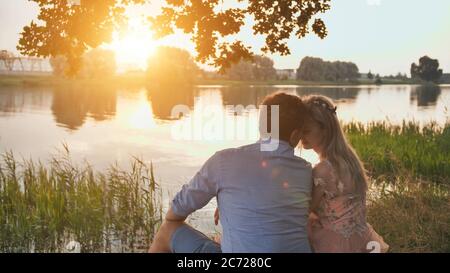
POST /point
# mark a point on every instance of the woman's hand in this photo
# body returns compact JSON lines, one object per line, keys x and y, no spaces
{"x":216,"y":217}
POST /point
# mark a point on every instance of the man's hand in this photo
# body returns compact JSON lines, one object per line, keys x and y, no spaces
{"x":216,"y":217}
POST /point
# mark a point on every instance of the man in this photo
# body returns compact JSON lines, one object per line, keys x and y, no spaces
{"x":263,"y":194}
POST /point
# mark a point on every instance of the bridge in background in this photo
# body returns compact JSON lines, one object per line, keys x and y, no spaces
{"x":12,"y":64}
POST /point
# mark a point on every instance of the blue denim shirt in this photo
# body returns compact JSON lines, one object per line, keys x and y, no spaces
{"x":263,"y":198}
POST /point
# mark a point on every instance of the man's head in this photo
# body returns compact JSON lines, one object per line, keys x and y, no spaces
{"x":292,"y":116}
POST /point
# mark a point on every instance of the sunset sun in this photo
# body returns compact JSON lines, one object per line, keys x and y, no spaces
{"x":135,"y":46}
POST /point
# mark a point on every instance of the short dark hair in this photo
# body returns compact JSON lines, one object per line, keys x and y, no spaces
{"x":292,"y":113}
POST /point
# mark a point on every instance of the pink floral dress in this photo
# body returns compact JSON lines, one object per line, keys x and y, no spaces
{"x":338,"y":222}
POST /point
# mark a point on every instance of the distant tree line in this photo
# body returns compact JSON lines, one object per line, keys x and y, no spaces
{"x":260,"y":68}
{"x":96,"y":63}
{"x":316,"y":69}
{"x":310,"y":69}
{"x":399,"y":76}
{"x":171,"y":65}
{"x":426,"y":71}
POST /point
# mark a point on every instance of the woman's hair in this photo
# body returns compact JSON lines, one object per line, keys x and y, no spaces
{"x":334,"y":144}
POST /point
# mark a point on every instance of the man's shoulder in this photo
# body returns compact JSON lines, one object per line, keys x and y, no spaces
{"x":235,"y":152}
{"x":255,"y":149}
{"x":238,"y":150}
{"x":303,"y":162}
{"x":249,"y":148}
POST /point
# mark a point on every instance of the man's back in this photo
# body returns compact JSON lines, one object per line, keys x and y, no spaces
{"x":263,"y":198}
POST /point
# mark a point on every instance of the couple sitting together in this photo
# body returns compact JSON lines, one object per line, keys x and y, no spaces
{"x":270,"y":200}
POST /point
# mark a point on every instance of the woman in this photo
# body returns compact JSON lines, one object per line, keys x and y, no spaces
{"x":338,"y":206}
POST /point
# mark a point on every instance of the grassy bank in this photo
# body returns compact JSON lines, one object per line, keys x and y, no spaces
{"x":296,"y":82}
{"x":412,"y":216}
{"x":131,"y":80}
{"x":409,"y":167}
{"x":44,"y":208}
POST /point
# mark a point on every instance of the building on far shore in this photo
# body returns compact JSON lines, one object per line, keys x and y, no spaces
{"x":445,"y":78}
{"x":286,"y":74}
{"x":364,"y":76}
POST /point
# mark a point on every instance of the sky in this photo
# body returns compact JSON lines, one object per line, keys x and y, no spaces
{"x":384,"y":36}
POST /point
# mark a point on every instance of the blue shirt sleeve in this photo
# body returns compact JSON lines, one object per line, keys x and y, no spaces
{"x":200,"y":190}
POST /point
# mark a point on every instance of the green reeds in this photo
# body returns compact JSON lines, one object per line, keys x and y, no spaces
{"x":43,"y":208}
{"x":422,"y":153}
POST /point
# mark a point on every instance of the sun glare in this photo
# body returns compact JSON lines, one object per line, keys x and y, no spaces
{"x":142,"y":116}
{"x":135,"y":46}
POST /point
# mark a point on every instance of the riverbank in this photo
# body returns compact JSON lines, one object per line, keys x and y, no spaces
{"x":411,"y":215}
{"x":139,"y":79}
{"x":43,"y":207}
{"x":409,"y":168}
{"x":300,"y":82}
{"x":131,"y":80}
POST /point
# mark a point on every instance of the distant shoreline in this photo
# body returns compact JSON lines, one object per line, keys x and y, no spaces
{"x":138,"y":80}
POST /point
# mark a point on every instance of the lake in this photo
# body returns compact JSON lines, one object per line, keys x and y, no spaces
{"x":106,"y":125}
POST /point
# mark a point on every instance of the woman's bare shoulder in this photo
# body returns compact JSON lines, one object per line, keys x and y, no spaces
{"x":323,"y":169}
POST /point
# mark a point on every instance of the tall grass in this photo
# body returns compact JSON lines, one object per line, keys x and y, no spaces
{"x":423,"y":153}
{"x":43,"y":208}
{"x":412,"y":216}
{"x":409,"y":166}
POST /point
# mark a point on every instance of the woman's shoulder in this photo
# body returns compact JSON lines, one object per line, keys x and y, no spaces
{"x":323,"y":169}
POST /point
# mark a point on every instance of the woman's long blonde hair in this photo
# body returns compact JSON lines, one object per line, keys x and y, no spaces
{"x":335,"y":146}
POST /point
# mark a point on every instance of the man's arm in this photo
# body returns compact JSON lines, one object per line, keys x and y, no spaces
{"x":193,"y":196}
{"x":172,"y":217}
{"x":199,"y":191}
{"x":161,"y":241}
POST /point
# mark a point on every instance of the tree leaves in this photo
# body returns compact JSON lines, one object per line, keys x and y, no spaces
{"x":316,"y":69}
{"x":207,"y":21}
{"x":70,"y":30}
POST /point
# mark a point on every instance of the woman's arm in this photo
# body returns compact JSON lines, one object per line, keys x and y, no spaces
{"x":317,"y":194}
{"x":322,"y":178}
